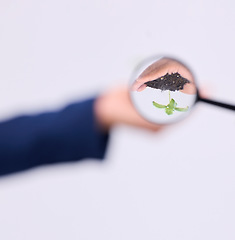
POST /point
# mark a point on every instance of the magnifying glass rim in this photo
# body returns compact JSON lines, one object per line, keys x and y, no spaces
{"x":149,"y":61}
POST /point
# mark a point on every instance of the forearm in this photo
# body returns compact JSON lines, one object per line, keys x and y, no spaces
{"x":67,"y":135}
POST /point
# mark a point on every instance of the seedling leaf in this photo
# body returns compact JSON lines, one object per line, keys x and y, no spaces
{"x":157,"y":105}
{"x":182,"y":109}
{"x":169,"y":111}
{"x":172,"y":104}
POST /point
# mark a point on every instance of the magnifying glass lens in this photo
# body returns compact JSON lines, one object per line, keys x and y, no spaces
{"x":163,"y":90}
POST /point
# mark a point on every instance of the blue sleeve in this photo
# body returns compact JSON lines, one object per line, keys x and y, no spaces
{"x":67,"y":135}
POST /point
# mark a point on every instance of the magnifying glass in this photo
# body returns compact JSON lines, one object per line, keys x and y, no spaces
{"x":163,"y":90}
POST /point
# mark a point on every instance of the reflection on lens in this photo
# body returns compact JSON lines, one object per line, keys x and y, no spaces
{"x":163,"y":90}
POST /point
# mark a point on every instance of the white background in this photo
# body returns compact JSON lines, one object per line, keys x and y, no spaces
{"x":179,"y":184}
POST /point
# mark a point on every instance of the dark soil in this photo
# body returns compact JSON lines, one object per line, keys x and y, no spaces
{"x":172,"y":82}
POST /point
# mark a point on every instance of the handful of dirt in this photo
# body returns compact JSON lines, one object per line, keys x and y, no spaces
{"x":172,"y":82}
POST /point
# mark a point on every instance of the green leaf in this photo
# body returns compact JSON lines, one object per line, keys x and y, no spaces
{"x":182,"y":109}
{"x":172,"y":104}
{"x":169,"y":111}
{"x":157,"y":105}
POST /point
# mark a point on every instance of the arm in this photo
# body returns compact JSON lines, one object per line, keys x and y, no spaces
{"x":76,"y":132}
{"x":66,"y":135}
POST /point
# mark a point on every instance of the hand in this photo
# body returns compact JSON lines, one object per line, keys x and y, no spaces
{"x":115,"y":107}
{"x":159,"y":69}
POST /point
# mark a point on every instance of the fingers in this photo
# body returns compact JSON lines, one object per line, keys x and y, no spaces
{"x":189,"y":88}
{"x":159,"y":69}
{"x":142,"y":87}
{"x":138,"y":86}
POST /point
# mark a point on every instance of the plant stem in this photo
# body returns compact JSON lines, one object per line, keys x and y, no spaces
{"x":169,"y":96}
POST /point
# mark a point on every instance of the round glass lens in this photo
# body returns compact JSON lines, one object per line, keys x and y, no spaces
{"x":163,"y":90}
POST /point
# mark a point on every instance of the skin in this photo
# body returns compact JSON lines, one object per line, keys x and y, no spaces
{"x":159,"y":69}
{"x":114,"y":107}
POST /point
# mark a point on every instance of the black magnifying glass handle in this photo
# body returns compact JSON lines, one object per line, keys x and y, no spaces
{"x":215,"y":103}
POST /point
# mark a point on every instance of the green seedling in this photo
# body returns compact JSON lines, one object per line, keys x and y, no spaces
{"x":170,"y":107}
